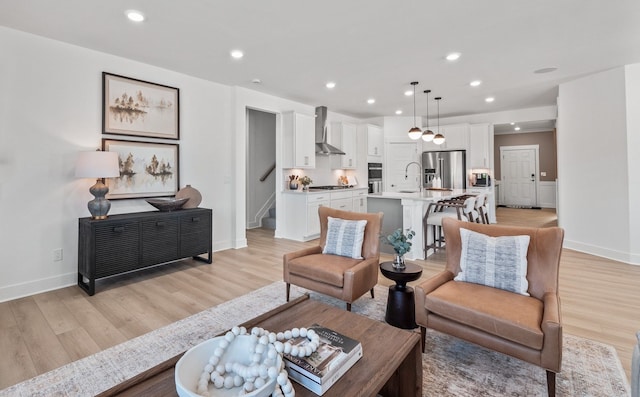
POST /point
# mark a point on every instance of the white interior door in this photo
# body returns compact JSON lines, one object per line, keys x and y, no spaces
{"x":398,"y":156}
{"x":518,"y":180}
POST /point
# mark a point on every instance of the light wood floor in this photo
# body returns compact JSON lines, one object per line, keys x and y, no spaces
{"x":45,"y":331}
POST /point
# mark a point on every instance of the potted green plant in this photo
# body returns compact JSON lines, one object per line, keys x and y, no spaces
{"x":401,"y":243}
{"x":305,"y":181}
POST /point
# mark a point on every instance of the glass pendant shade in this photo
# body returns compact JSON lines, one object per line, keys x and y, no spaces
{"x":414,"y":132}
{"x":438,"y":139}
{"x":428,"y":135}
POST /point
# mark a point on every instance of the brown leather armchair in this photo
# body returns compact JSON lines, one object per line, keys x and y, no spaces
{"x":340,"y":277}
{"x":526,"y":327}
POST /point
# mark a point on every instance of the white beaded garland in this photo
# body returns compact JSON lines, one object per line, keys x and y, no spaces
{"x":255,"y":375}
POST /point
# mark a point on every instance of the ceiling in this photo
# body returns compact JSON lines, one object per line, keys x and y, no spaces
{"x":369,"y":48}
{"x":526,"y":126}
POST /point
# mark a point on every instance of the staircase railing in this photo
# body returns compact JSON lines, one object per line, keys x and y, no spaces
{"x":267,"y":173}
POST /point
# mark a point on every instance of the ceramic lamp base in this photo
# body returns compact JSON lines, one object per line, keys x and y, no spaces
{"x":99,"y":207}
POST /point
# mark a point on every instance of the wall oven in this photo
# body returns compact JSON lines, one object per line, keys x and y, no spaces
{"x":374,"y":173}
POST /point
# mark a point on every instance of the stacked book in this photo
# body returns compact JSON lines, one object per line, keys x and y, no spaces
{"x":334,"y":356}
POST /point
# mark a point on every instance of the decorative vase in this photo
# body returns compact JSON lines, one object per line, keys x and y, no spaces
{"x":293,"y":186}
{"x":398,"y":262}
{"x":192,"y":194}
{"x":305,"y":187}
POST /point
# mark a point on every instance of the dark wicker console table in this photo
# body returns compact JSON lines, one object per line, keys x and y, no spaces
{"x":127,"y":242}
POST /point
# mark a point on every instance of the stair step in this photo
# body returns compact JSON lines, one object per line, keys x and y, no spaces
{"x":269,"y":223}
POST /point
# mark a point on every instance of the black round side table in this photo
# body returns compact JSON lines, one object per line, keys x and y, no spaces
{"x":401,"y":307}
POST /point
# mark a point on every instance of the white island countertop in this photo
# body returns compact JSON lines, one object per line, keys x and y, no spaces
{"x":425,"y":195}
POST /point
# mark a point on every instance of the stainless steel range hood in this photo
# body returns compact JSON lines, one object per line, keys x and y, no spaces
{"x":322,"y":147}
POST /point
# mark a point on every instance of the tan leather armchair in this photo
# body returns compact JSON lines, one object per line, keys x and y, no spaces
{"x":526,"y":327}
{"x":340,"y":277}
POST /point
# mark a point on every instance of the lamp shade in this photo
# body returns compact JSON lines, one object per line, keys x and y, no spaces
{"x":97,"y":164}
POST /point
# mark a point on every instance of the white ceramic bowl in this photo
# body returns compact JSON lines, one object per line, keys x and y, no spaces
{"x":190,"y":366}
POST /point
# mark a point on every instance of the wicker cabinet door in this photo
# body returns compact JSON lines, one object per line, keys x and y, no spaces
{"x":195,"y":233}
{"x":159,"y":240}
{"x":117,"y":248}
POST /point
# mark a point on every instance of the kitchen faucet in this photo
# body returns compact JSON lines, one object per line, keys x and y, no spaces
{"x":406,"y":175}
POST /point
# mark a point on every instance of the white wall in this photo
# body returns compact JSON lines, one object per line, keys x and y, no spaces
{"x":594,"y":167}
{"x":632,"y":74}
{"x":50,"y":110}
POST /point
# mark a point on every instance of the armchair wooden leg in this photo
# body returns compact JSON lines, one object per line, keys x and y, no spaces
{"x":423,"y":336}
{"x":372,"y":294}
{"x":551,"y":383}
{"x":288,"y":290}
{"x":348,"y":307}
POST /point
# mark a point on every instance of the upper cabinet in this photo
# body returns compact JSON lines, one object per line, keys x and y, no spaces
{"x":344,"y":136}
{"x":456,"y":137}
{"x":479,"y":144}
{"x":375,"y":141}
{"x":299,"y":142}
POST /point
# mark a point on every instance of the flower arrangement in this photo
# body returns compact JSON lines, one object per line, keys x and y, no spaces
{"x":305,"y":180}
{"x":400,"y":241}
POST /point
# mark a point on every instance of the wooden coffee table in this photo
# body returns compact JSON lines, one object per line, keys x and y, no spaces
{"x":391,"y":364}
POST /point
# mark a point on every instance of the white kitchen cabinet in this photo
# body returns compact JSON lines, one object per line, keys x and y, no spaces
{"x":344,"y":136}
{"x":301,"y":221}
{"x":456,"y":137}
{"x":375,"y":141}
{"x":360,"y":200}
{"x":299,"y":143}
{"x":478,"y":155}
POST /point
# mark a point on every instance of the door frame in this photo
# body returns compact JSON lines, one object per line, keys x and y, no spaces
{"x":536,"y":149}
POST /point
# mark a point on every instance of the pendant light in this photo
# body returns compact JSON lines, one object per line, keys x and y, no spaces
{"x":428,"y":135}
{"x":439,"y":138}
{"x":415,"y":132}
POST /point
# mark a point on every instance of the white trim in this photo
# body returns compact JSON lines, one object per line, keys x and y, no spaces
{"x":28,"y":288}
{"x":536,"y":149}
{"x":620,"y":256}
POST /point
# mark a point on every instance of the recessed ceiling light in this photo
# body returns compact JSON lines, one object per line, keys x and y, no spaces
{"x":331,"y":84}
{"x":475,"y":83}
{"x":489,"y":99}
{"x":453,"y":56}
{"x":517,"y":128}
{"x":398,"y":111}
{"x":545,"y":70}
{"x":371,"y":101}
{"x":237,"y":54}
{"x":512,"y":123}
{"x":135,"y":16}
{"x":256,"y":81}
{"x":408,"y":93}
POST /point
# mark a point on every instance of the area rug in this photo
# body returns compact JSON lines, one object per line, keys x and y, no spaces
{"x":451,"y":367}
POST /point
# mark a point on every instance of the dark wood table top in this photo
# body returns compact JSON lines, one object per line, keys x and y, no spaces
{"x":411,"y":272}
{"x":391,"y":362}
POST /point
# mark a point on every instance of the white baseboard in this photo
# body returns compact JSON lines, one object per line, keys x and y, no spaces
{"x":28,"y":288}
{"x":620,"y":256}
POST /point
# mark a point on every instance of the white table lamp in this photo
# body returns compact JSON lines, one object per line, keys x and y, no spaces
{"x":98,"y":165}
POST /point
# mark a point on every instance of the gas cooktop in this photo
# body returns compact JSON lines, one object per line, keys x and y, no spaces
{"x":329,"y":187}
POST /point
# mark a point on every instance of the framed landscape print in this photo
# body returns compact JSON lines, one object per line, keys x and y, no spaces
{"x":147,"y":169}
{"x":139,"y":108}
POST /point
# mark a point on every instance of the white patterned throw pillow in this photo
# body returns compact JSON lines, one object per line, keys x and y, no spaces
{"x":344,"y":237}
{"x":499,"y":262}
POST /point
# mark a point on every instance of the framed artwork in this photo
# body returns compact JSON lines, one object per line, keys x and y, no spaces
{"x":147,"y":169}
{"x":139,"y":108}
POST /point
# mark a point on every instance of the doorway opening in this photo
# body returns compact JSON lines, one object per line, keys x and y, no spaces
{"x":261,"y":169}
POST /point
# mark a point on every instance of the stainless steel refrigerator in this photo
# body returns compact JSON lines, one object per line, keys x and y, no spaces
{"x":449,"y":165}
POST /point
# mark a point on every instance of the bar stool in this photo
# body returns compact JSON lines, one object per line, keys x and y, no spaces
{"x":437,"y":211}
{"x":479,"y":209}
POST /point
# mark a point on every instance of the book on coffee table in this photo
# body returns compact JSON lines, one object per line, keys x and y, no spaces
{"x":334,"y":356}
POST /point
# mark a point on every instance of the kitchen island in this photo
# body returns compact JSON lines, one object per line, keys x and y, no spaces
{"x":414,"y":206}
